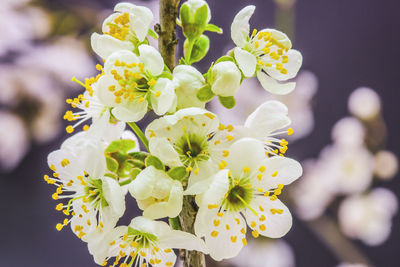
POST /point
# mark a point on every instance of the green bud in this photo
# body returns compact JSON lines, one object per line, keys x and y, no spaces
{"x":214,"y":28}
{"x":199,"y":49}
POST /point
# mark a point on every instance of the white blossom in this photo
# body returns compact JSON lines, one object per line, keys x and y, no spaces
{"x":247,"y":189}
{"x":225,"y":78}
{"x":364,"y":103}
{"x":266,"y":53}
{"x":386,"y":164}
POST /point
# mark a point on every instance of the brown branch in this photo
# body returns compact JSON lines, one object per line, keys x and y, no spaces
{"x":167,"y":31}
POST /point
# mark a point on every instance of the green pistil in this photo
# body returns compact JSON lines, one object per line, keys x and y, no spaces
{"x":239,"y":195}
{"x":192,"y":148}
{"x":143,"y":239}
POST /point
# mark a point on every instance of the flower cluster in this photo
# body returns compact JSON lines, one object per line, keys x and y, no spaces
{"x":235,"y":173}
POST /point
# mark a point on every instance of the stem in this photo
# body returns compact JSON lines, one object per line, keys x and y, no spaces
{"x":187,"y":218}
{"x":127,"y":181}
{"x":167,"y":31}
{"x":140,"y":134}
{"x":285,"y":15}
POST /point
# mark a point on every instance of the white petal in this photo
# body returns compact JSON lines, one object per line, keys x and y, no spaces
{"x":114,"y":196}
{"x":124,"y":7}
{"x":279,"y":37}
{"x":163,"y":102}
{"x":229,"y":241}
{"x":273,"y":86}
{"x":131,"y":112}
{"x":225,"y":78}
{"x":161,"y":148}
{"x":142,"y":187}
{"x":240,"y":27}
{"x":170,"y":208}
{"x":285,"y":171}
{"x":218,"y":188}
{"x":153,"y":61}
{"x":140,"y":21}
{"x":293,"y":66}
{"x":199,"y":183}
{"x":105,"y":96}
{"x":247,"y":62}
{"x":121,"y":55}
{"x":180,"y":239}
{"x":246,"y":152}
{"x":267,"y":118}
{"x":104,"y":45}
{"x":276,"y":225}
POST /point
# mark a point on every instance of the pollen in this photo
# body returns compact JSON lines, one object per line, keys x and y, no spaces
{"x":225,"y":153}
{"x":152,"y":82}
{"x":255,"y":233}
{"x":216,"y":222}
{"x":274,"y":174}
{"x":209,"y":115}
{"x":227,"y":227}
{"x":230,"y":128}
{"x":229,"y":137}
{"x":262,"y":227}
{"x":86,"y":128}
{"x":233,"y":239}
{"x":246,"y":169}
{"x":157,"y":94}
{"x":244,"y":241}
{"x":290,"y":131}
{"x":259,"y":176}
{"x":214,"y":233}
{"x":59,"y":226}
{"x":69,"y":129}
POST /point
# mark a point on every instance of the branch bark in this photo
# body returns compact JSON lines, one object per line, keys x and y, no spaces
{"x":187,"y":218}
{"x":167,"y":45}
{"x":167,"y":31}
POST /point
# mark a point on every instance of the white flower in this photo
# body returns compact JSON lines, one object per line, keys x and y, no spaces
{"x":14,"y":142}
{"x":386,"y":164}
{"x":187,"y":82}
{"x":143,"y":241}
{"x":265,"y":253}
{"x":225,"y":78}
{"x":131,"y":83}
{"x":368,"y":217}
{"x":190,"y":138}
{"x":96,"y":201}
{"x":89,"y":106}
{"x":348,"y":169}
{"x":266,"y":53}
{"x":364,"y":103}
{"x":123,"y":30}
{"x":348,"y":131}
{"x":263,"y":124}
{"x":346,"y":264}
{"x":157,"y":194}
{"x":247,"y":189}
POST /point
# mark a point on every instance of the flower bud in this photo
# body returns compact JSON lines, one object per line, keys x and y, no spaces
{"x":225,"y":78}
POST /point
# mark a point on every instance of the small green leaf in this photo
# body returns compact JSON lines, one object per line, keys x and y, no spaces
{"x":200,"y":49}
{"x":200,"y":17}
{"x":225,"y":58}
{"x":134,"y":172}
{"x":112,"y":164}
{"x":154,"y":161}
{"x":205,"y":94}
{"x":177,"y":173}
{"x":214,"y":28}
{"x":227,"y":101}
{"x":152,"y":34}
{"x":136,"y":163}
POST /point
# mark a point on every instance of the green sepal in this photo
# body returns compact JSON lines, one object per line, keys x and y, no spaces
{"x":124,"y":169}
{"x":136,"y":163}
{"x":152,"y":33}
{"x":134,"y":172}
{"x":112,"y":164}
{"x":177,"y":173}
{"x":199,"y":50}
{"x":214,"y":28}
{"x":111,"y":175}
{"x":225,"y":58}
{"x":227,"y":101}
{"x":122,"y":146}
{"x":205,"y":94}
{"x":200,"y":18}
{"x":182,"y":60}
{"x":154,"y":161}
{"x":139,"y":155}
{"x":166,"y":74}
{"x":184,"y":14}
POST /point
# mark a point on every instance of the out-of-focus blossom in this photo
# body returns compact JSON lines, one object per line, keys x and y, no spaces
{"x":368,"y":217}
{"x":262,"y":253}
{"x":364,"y":103}
{"x":386,"y":165}
{"x":13,"y":140}
{"x":252,"y":96}
{"x":19,"y":24}
{"x":348,"y":131}
{"x":33,"y":96}
{"x":347,"y":169}
{"x":312,"y":193}
{"x":63,"y":58}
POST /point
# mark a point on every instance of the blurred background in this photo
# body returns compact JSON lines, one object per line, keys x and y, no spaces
{"x":345,"y":116}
